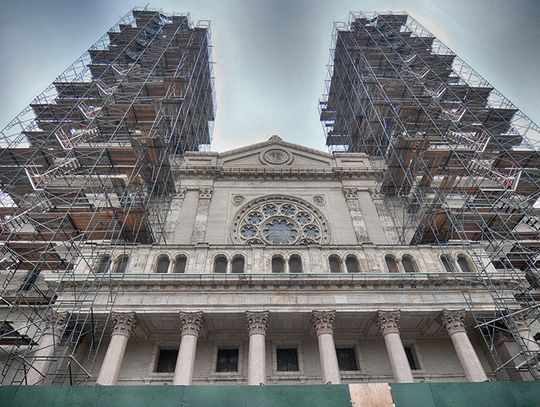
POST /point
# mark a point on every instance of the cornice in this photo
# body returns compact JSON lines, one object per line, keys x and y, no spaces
{"x":425,"y":282}
{"x":268,"y":172}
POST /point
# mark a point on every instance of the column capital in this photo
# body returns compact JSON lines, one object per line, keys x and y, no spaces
{"x":191,"y":323}
{"x":123,"y":323}
{"x":206,"y":193}
{"x":522,"y":321}
{"x":388,"y":321}
{"x":375,"y":193}
{"x":181,"y":194}
{"x":55,"y":320}
{"x":453,"y":320}
{"x":257,"y":322}
{"x":350,"y":193}
{"x":323,"y":321}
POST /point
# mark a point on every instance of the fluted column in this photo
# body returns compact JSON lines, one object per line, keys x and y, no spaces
{"x":388,"y":323}
{"x":123,"y":326}
{"x":257,"y":323}
{"x":454,"y":322}
{"x":191,"y":326}
{"x":54,"y":328}
{"x":323,"y":325}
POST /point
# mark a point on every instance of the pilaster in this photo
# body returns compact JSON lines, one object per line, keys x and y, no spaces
{"x":359,"y":224}
{"x":201,"y":218}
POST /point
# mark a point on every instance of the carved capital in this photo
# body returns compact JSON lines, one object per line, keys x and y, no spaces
{"x":388,"y":321}
{"x":205,"y":193}
{"x":323,"y":322}
{"x":350,"y":193}
{"x":502,"y":337}
{"x":375,"y":193}
{"x":522,"y":321}
{"x":453,"y":321}
{"x":56,"y":320}
{"x":181,"y":194}
{"x":123,"y":323}
{"x":191,"y":323}
{"x":257,"y":322}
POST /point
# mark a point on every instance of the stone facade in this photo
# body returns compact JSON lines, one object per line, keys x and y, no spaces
{"x":282,"y":264}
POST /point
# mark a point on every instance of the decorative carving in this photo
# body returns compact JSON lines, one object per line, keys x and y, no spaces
{"x":238,"y":200}
{"x":205,"y":193}
{"x":323,"y":321}
{"x":319,"y":200}
{"x":123,"y":323}
{"x":453,"y":321}
{"x":275,"y":138}
{"x":181,"y":194}
{"x":276,"y":156}
{"x":350,"y":193}
{"x":191,"y":323}
{"x":522,"y":321}
{"x":502,"y":337}
{"x":54,"y":320}
{"x":279,"y":220}
{"x":388,"y":321}
{"x":257,"y":322}
{"x":375,"y":193}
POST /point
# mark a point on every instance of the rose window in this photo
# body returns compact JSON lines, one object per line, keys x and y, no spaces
{"x":279,"y":220}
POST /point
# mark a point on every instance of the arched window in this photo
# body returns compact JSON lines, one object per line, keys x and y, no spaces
{"x":352,"y":264}
{"x":408,"y":264}
{"x":448,"y":263}
{"x":220,"y":264}
{"x":163,"y":264}
{"x":121,"y":264}
{"x":104,"y":264}
{"x":391,"y":264}
{"x":295,"y":264}
{"x":237,"y":265}
{"x":464,"y":264}
{"x":180,"y":264}
{"x":278,"y":264}
{"x":335,"y":264}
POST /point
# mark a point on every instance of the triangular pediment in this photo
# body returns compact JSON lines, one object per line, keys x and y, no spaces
{"x":275,"y":153}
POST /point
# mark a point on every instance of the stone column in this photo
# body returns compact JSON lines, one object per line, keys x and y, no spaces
{"x":323,"y":325}
{"x":123,"y":326}
{"x":388,"y":323}
{"x":54,"y":329}
{"x":257,"y":323}
{"x":191,"y":326}
{"x":454,"y":322}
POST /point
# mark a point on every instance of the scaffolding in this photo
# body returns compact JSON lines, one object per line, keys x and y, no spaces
{"x":86,"y":168}
{"x":460,"y":158}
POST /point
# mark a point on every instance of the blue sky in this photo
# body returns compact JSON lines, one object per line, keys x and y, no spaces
{"x":270,"y":55}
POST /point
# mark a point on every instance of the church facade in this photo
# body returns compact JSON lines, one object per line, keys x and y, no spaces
{"x":282,"y":265}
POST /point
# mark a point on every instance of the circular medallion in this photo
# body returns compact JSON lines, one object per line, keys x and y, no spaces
{"x":319,"y":200}
{"x":238,"y":200}
{"x":276,"y":156}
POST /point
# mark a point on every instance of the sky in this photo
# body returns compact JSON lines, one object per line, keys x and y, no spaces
{"x":270,"y":56}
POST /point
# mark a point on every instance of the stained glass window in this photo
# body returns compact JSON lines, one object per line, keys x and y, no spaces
{"x":280,"y":220}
